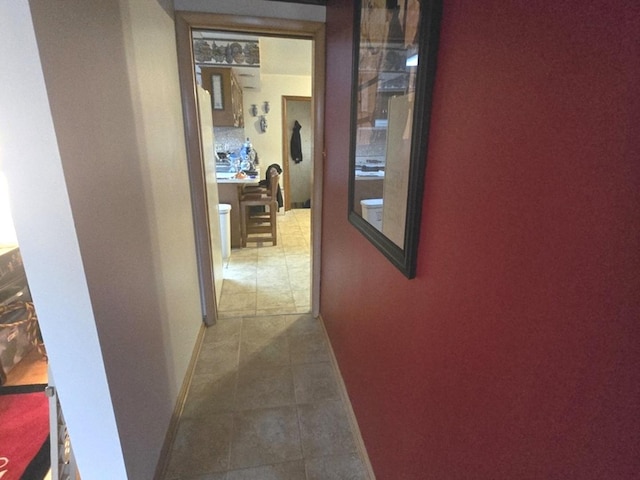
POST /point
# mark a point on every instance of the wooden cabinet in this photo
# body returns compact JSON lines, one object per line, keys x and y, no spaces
{"x":226,"y":96}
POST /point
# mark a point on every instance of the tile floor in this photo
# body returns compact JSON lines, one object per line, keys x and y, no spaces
{"x":263,"y":279}
{"x":264,"y":402}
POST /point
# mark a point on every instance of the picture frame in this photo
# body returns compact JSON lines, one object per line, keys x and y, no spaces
{"x":217,"y":96}
{"x":394,"y":65}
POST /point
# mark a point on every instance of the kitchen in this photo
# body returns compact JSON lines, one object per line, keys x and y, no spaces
{"x":253,"y":104}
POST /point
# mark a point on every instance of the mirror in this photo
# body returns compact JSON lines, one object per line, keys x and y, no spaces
{"x":395,"y":46}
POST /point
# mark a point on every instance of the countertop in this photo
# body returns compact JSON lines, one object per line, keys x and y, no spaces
{"x":230,"y":178}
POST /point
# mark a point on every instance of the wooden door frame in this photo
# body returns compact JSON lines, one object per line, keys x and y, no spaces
{"x":285,"y":145}
{"x":302,"y":29}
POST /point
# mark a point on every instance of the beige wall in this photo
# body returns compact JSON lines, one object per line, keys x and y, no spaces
{"x":273,"y":87}
{"x":111,"y":75}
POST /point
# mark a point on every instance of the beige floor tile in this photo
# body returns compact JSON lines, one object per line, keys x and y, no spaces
{"x":281,"y":310}
{"x":273,"y":297}
{"x":238,"y":287}
{"x":265,"y":437}
{"x":314,"y":382}
{"x":302,"y":298}
{"x":270,"y":260}
{"x":303,"y":325}
{"x":299,"y":277}
{"x":241,"y":274}
{"x":237,"y":313}
{"x":237,"y":301}
{"x":281,"y":471}
{"x":223,"y":330}
{"x":263,"y":327}
{"x":238,"y":253}
{"x":276,"y":268}
{"x":265,"y":351}
{"x":210,"y":394}
{"x":262,"y":386}
{"x":339,"y":467}
{"x":201,"y":446}
{"x":309,"y":348}
{"x":207,"y":476}
{"x":297,"y":260}
{"x":272,"y":251}
{"x":275,"y":279}
{"x":264,"y":401}
{"x":324,"y":429}
{"x":220,"y":357}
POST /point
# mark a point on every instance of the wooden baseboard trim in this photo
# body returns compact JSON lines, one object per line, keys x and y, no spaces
{"x":163,"y":461}
{"x":362,"y":451}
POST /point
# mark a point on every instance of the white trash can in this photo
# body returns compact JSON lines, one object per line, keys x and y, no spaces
{"x":372,"y":211}
{"x":224,"y":210}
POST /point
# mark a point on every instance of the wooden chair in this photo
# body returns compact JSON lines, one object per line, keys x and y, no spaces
{"x":260,"y":223}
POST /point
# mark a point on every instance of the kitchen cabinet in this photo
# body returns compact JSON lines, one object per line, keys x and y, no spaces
{"x":226,"y":96}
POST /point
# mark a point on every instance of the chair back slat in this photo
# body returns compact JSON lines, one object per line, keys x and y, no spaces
{"x":274,"y":179}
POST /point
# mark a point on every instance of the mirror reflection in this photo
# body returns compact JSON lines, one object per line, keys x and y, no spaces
{"x":386,"y":84}
{"x":395,"y":45}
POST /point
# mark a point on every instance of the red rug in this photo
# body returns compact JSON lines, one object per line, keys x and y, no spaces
{"x":24,"y":431}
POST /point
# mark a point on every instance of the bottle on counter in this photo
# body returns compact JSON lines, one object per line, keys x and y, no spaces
{"x":249,"y":153}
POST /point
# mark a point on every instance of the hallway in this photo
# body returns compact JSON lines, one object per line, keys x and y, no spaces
{"x":265,"y":401}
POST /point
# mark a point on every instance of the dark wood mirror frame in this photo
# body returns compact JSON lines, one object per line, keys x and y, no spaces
{"x":405,"y":257}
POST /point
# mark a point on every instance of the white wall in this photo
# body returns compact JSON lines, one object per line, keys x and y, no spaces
{"x":111,"y":77}
{"x":45,"y":228}
{"x":150,"y":48}
{"x":255,"y":8}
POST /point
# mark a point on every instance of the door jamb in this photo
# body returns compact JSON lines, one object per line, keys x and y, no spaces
{"x":315,"y":31}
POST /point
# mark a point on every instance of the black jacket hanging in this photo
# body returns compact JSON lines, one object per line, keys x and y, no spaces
{"x":296,"y":143}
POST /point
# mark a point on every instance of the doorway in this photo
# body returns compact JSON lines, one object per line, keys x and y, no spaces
{"x":187,"y":22}
{"x":297,"y":154}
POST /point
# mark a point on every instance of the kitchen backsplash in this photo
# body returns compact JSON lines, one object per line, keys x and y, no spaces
{"x":228,"y":138}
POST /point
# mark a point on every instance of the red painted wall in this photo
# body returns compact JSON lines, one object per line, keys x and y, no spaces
{"x":515,"y":352}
